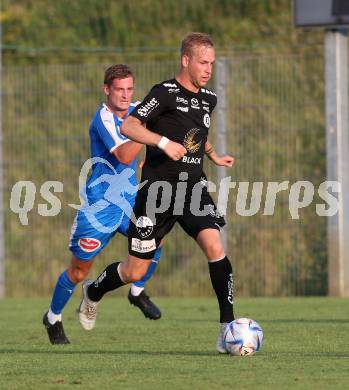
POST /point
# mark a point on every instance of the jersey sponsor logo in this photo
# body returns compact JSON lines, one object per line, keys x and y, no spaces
{"x":181,"y":100}
{"x":207,"y":120}
{"x":204,"y":90}
{"x":173,"y":90}
{"x":170,"y":85}
{"x":191,"y":160}
{"x":89,"y":244}
{"x":206,"y":108}
{"x":143,"y":246}
{"x":144,"y":226}
{"x":195,"y":103}
{"x":189,"y":142}
{"x":184,"y":109}
{"x":205,"y":103}
{"x":147,"y":108}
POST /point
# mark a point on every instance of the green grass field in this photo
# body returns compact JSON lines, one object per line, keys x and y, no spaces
{"x":306,"y":347}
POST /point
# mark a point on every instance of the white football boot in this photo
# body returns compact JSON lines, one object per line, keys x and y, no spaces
{"x":220,"y":339}
{"x":87,"y":308}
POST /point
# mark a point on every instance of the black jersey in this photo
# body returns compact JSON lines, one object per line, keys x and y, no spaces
{"x":182,"y":116}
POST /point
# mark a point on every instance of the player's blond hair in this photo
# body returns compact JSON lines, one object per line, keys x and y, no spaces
{"x":195,"y":39}
{"x":118,"y":71}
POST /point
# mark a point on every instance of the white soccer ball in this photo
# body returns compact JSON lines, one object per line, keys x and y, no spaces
{"x":243,"y":337}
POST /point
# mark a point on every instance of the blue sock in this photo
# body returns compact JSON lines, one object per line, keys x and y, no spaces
{"x":63,"y":291}
{"x":151,"y":269}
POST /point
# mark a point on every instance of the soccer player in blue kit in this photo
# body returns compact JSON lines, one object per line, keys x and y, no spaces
{"x":109,"y":197}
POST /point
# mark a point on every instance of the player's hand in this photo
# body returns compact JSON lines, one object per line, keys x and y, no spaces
{"x":175,"y":151}
{"x":224,"y":161}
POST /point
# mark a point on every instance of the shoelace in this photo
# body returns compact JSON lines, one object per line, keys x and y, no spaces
{"x":91,"y":309}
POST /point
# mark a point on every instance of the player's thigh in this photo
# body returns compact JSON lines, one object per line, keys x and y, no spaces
{"x":147,"y":233}
{"x":87,"y":238}
{"x":125,"y":225}
{"x":211,"y":244}
{"x":204,"y":227}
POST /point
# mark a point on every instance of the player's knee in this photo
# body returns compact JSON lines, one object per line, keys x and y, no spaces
{"x":77,"y":275}
{"x":133,"y":274}
{"x":215,"y":250}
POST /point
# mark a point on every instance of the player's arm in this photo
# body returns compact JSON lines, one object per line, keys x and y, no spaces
{"x":224,"y":161}
{"x":132,"y":128}
{"x":127,"y":152}
{"x":109,"y":133}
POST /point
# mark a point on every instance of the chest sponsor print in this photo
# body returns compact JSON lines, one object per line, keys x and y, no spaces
{"x":181,"y":100}
{"x":189,"y":141}
{"x":195,"y":104}
{"x":147,"y":108}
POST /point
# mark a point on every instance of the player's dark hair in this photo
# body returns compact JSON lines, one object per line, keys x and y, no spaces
{"x":194,"y":39}
{"x":118,"y":71}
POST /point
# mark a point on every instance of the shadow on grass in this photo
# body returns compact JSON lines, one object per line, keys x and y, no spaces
{"x":306,"y":320}
{"x":61,"y":350}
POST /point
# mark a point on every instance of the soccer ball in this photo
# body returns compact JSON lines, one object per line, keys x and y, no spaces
{"x":243,"y":337}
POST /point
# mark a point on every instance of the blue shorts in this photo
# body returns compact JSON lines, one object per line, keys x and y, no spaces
{"x":92,"y":230}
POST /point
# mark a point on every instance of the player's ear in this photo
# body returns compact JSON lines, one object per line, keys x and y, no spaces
{"x":185,"y":60}
{"x":106,"y":89}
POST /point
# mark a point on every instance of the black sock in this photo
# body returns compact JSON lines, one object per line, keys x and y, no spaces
{"x":221,"y":274}
{"x":108,"y":280}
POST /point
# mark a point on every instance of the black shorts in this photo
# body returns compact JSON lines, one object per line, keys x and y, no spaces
{"x":151,"y":226}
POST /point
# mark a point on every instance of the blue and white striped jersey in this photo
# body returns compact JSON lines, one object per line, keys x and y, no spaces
{"x":105,"y":137}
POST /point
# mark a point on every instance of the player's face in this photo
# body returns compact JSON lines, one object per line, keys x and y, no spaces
{"x":200,"y":65}
{"x":119,"y":95}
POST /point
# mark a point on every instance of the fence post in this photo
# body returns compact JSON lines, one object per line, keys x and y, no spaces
{"x":337,"y":149}
{"x":2,"y":239}
{"x":221,"y":80}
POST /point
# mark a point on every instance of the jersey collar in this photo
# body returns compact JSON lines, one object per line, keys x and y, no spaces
{"x":185,"y":90}
{"x":119,"y":119}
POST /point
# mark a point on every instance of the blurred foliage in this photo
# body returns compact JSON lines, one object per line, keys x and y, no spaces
{"x":64,"y":31}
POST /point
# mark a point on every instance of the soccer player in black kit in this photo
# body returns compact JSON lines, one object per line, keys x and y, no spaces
{"x":177,"y":115}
